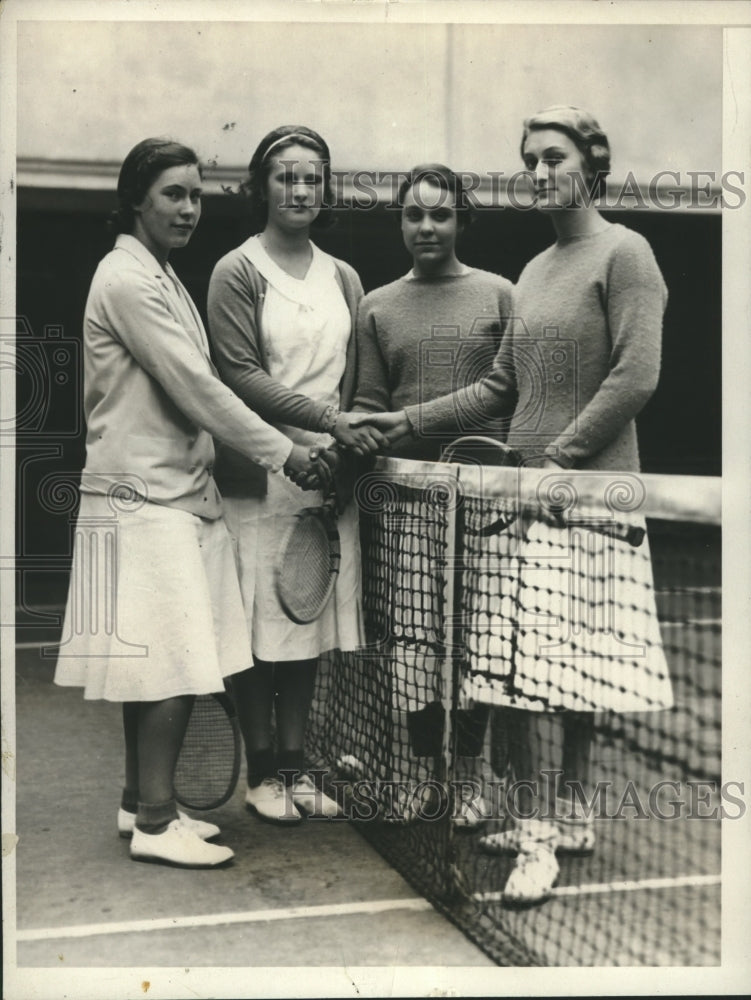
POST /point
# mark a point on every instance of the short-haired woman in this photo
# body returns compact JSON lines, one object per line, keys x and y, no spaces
{"x":435,"y":329}
{"x":154,"y":613}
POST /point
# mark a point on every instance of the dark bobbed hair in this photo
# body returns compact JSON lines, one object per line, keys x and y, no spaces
{"x":141,"y":167}
{"x":584,"y":131}
{"x":444,"y":178}
{"x":272,"y":144}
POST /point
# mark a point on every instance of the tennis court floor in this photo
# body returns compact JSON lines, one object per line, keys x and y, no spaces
{"x":312,"y":896}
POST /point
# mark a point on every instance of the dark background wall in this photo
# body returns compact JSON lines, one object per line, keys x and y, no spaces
{"x":59,"y":245}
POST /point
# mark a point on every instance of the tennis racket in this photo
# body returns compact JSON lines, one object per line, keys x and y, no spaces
{"x":479,"y":450}
{"x":474,"y":449}
{"x":208,"y":766}
{"x":308,"y":563}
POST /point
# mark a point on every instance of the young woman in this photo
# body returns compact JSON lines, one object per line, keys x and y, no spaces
{"x":154,"y":603}
{"x":433,"y":330}
{"x":281,"y":315}
{"x":599,"y":289}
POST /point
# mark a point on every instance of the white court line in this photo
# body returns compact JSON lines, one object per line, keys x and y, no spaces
{"x":593,"y":888}
{"x":222,"y":919}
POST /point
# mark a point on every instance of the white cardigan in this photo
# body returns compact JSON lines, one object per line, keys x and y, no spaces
{"x":152,"y":398}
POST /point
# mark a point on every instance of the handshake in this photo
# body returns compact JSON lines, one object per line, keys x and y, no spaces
{"x":314,"y":468}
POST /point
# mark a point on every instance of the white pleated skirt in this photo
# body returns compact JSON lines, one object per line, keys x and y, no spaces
{"x":258,"y":527}
{"x":154,"y":607}
{"x":565,"y":621}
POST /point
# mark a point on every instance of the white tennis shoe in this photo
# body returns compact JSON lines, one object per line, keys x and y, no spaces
{"x":126,"y":822}
{"x":574,"y":835}
{"x":272,"y":802}
{"x":351,"y":767}
{"x":535,"y":870}
{"x":312,"y":800}
{"x":179,"y":846}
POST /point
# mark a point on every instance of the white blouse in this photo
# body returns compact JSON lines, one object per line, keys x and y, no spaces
{"x":306,"y":324}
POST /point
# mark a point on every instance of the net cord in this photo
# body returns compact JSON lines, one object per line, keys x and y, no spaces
{"x":696,"y":499}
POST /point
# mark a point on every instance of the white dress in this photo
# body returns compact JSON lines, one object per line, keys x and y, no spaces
{"x":306,"y":325}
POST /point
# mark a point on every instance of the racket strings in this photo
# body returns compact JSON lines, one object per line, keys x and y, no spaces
{"x":208,"y":762}
{"x":307,"y":569}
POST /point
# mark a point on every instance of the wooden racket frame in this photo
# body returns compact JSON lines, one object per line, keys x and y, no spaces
{"x":476,"y":449}
{"x":225,"y":699}
{"x":326,"y":514}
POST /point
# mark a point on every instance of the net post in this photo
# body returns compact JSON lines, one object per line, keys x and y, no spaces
{"x":451,"y":613}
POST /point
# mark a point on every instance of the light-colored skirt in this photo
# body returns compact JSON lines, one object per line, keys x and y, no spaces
{"x":258,"y":527}
{"x":565,"y":621}
{"x":154,"y":607}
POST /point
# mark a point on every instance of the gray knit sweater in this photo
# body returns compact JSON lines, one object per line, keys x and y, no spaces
{"x":581,"y":358}
{"x":418,"y":338}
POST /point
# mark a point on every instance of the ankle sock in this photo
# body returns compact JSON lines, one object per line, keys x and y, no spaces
{"x":260,"y":766}
{"x":129,"y":800}
{"x":155,"y":817}
{"x":292,"y":763}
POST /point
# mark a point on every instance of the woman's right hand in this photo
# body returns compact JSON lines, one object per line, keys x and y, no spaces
{"x":363,"y":438}
{"x":393,"y":427}
{"x":307,"y":469}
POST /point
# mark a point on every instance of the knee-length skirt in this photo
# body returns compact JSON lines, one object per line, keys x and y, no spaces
{"x":154,"y":607}
{"x":565,"y":619}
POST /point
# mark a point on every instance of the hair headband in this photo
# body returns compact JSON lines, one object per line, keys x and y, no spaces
{"x":299,"y":136}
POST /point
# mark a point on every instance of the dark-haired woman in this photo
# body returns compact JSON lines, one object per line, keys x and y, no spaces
{"x":433,"y":330}
{"x":281,"y":314}
{"x":154,"y":604}
{"x":581,"y":365}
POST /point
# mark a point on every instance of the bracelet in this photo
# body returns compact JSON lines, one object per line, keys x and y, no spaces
{"x":328,"y":420}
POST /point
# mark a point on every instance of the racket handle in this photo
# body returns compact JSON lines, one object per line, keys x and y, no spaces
{"x":633,"y":534}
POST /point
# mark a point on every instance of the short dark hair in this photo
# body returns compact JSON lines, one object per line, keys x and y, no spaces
{"x":143,"y":164}
{"x":254,"y":185}
{"x":584,"y":131}
{"x":445,"y":179}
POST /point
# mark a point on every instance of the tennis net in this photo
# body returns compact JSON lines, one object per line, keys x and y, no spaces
{"x":545,"y":645}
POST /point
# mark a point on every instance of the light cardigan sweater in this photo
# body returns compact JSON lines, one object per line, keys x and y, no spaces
{"x":235,"y":309}
{"x":152,"y":398}
{"x":582,"y":357}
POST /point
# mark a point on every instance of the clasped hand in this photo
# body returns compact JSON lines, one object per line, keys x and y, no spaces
{"x":312,"y":468}
{"x":370,"y":432}
{"x":390,"y":429}
{"x":363,"y":433}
